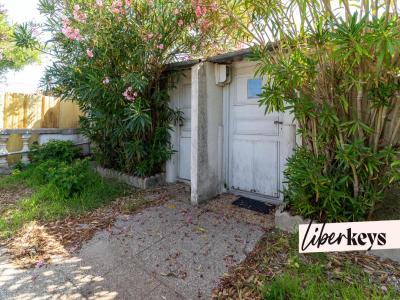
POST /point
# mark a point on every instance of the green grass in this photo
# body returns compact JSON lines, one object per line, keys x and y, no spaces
{"x":308,"y":277}
{"x":312,"y":285}
{"x":48,"y":202}
{"x":310,"y":281}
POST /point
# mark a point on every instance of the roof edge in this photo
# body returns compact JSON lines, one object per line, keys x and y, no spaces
{"x":227,"y":57}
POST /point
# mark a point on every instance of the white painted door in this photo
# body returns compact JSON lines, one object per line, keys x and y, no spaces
{"x":185,"y":132}
{"x":255,"y":140}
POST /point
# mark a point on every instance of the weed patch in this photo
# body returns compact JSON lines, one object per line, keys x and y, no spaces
{"x":58,"y":190}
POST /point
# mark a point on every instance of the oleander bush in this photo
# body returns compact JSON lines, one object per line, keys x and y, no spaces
{"x":342,"y":86}
{"x":110,"y":57}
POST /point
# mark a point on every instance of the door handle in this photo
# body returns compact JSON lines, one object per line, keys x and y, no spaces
{"x":278,"y":122}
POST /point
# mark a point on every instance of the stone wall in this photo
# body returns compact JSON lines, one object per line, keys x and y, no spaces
{"x":15,"y":143}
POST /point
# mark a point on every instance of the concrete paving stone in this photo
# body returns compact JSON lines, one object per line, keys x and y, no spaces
{"x":162,"y":292}
{"x":107,"y":248}
{"x":163,"y":261}
{"x":216,"y":223}
{"x":135,"y":243}
{"x":204,"y":270}
{"x":194,"y":286}
{"x":157,"y":222}
{"x":38,"y":283}
{"x":126,"y":281}
{"x":104,"y":251}
{"x":169,"y":254}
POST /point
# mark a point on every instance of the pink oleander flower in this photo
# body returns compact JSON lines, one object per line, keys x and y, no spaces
{"x":176,"y":11}
{"x":180,"y":23}
{"x":116,"y":6}
{"x":89,"y":53}
{"x":128,"y":2}
{"x":78,"y":15}
{"x":204,"y":10}
{"x":129,"y":94}
{"x":199,"y":12}
{"x":77,"y":34}
{"x":99,"y":3}
{"x":66,"y":22}
{"x":106,"y":80}
{"x":70,"y":32}
{"x":214,"y":6}
{"x":160,"y":46}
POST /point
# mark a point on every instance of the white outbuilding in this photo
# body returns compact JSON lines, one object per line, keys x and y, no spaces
{"x":227,"y":143}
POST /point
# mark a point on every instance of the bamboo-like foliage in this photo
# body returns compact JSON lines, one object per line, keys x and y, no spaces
{"x":335,"y":66}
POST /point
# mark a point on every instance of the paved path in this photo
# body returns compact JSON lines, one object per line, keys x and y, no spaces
{"x":173,"y":251}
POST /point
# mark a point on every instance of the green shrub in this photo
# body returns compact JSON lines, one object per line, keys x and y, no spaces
{"x":58,"y":190}
{"x":19,"y":166}
{"x":41,"y":172}
{"x":56,"y":166}
{"x":64,"y":151}
{"x":70,"y":179}
{"x":326,"y":194}
{"x":346,"y":101}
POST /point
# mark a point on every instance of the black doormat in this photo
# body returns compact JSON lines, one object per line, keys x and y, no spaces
{"x":254,"y":205}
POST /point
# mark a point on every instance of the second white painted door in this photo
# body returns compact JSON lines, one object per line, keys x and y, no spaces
{"x":257,"y":148}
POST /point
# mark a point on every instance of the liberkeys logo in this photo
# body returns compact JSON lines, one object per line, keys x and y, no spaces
{"x":350,"y":236}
